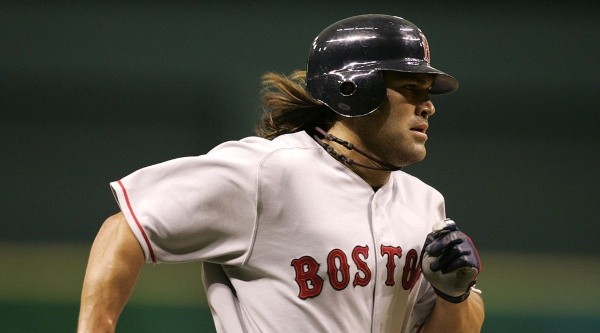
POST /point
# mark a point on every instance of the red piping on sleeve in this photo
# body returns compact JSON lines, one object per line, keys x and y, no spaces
{"x":137,"y":222}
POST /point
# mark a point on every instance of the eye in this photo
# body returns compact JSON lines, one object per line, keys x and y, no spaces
{"x":419,"y":87}
{"x":415,"y":88}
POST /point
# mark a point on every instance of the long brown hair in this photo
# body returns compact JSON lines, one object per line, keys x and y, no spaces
{"x":289,"y":108}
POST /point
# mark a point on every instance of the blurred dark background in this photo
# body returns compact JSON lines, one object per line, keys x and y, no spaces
{"x":90,"y":92}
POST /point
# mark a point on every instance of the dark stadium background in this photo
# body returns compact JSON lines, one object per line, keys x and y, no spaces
{"x":90,"y":92}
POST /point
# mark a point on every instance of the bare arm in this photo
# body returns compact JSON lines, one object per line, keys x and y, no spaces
{"x":115,"y":262}
{"x":464,"y":317}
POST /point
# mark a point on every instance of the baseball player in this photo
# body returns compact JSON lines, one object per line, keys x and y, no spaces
{"x":310,"y":226}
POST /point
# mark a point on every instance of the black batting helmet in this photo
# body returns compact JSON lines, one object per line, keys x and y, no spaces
{"x":346,"y":60}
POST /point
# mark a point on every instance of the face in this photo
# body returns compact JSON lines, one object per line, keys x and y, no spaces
{"x":396,"y":131}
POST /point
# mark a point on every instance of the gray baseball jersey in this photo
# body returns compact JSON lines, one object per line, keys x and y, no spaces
{"x":291,"y":239}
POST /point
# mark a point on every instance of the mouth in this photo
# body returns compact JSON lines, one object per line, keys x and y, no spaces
{"x":421,"y":128}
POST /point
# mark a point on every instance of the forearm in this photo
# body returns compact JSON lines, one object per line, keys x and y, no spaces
{"x":464,"y":317}
{"x":113,"y":267}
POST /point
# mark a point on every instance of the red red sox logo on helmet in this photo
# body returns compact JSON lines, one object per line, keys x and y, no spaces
{"x":427,"y":54}
{"x":338,"y":270}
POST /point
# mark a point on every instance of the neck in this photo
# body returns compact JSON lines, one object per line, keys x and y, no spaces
{"x":345,"y":145}
{"x":375,"y":178}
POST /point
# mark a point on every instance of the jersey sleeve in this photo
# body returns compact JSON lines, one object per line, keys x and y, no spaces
{"x":194,"y":208}
{"x":423,"y":307}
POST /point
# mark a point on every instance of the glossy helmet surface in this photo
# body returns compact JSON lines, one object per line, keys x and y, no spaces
{"x":346,"y":59}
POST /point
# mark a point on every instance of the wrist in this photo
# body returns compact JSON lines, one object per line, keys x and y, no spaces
{"x":452,"y":299}
{"x":459,"y":298}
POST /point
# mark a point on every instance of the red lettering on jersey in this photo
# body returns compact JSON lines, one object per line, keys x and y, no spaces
{"x":306,"y":277}
{"x":411,"y":271}
{"x":338,"y":269}
{"x":361,"y":265}
{"x":390,"y":252}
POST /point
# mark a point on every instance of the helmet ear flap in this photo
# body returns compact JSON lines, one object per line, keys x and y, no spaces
{"x":350,"y":93}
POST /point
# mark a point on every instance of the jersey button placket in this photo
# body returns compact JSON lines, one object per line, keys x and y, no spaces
{"x":380,"y":269}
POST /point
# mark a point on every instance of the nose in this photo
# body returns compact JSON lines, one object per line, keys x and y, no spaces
{"x":425,"y":109}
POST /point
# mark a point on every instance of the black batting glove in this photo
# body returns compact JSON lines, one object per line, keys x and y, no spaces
{"x":450,"y":262}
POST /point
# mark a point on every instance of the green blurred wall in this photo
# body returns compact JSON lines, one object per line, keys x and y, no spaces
{"x":89,"y":93}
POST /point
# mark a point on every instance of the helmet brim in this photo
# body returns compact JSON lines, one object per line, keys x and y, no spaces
{"x":442,"y":83}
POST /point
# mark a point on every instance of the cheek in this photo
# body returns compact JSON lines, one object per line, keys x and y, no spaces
{"x":373,"y":124}
{"x":398,"y":119}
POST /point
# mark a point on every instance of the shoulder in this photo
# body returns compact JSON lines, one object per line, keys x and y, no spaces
{"x":231,"y":162}
{"x":262,"y":146}
{"x":256,"y":150}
